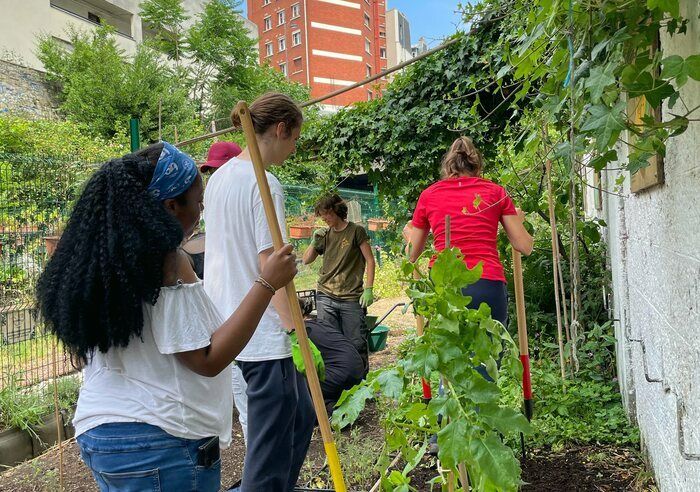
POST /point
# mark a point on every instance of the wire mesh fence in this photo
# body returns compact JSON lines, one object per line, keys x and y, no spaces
{"x":35,"y":198}
{"x":35,"y":195}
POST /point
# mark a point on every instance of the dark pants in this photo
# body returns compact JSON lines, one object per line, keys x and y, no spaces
{"x":495,"y":294}
{"x":492,"y":292}
{"x":349,"y":316}
{"x":280,"y":423}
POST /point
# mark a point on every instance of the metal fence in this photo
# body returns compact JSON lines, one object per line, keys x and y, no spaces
{"x":35,"y":199}
{"x":35,"y":195}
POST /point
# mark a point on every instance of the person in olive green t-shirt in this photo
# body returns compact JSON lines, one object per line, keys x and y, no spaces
{"x":342,"y":298}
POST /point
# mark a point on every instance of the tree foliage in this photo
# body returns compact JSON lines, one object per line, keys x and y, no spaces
{"x":101,"y":88}
{"x":210,"y":64}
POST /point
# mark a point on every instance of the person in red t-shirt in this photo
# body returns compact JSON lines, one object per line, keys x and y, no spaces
{"x":475,"y":206}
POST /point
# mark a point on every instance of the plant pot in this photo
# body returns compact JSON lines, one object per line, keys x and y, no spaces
{"x":67,"y":416}
{"x":50,"y":243}
{"x":300,"y":231}
{"x":377,"y":338}
{"x":47,"y":433}
{"x":377,"y":224}
{"x":17,"y":323}
{"x":15,"y":447}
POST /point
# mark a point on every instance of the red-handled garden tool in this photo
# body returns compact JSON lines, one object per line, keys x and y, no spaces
{"x":522,"y":339}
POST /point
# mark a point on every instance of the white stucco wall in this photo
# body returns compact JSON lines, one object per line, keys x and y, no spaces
{"x":23,"y":20}
{"x":654,"y":256}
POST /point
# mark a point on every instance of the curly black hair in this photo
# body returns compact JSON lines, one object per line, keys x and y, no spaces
{"x":109,"y":260}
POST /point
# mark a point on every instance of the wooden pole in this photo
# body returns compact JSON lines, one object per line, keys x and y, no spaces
{"x":522,"y":340}
{"x":336,"y":92}
{"x":555,"y":266}
{"x":448,"y":231}
{"x":297,"y":318}
{"x":451,"y":477}
{"x":59,"y":427}
{"x":160,"y":118}
{"x":378,"y":483}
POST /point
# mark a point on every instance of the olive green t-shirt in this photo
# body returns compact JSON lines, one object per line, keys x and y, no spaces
{"x":343,"y":263}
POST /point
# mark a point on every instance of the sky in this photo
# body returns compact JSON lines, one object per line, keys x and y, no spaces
{"x":432,"y":19}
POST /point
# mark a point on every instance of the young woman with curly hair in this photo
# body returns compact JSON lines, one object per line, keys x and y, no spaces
{"x":155,"y":405}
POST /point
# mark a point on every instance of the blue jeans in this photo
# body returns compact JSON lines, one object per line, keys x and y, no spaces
{"x":137,"y":457}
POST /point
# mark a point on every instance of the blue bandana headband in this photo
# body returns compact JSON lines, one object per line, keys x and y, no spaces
{"x":174,"y":174}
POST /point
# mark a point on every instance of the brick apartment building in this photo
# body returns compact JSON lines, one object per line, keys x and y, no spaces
{"x":325,"y":44}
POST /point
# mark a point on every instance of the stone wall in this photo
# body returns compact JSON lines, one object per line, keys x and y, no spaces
{"x":24,"y":91}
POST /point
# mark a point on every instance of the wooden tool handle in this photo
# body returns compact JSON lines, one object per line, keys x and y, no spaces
{"x":297,"y":318}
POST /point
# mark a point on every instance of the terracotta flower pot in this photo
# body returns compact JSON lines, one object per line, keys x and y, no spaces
{"x":50,"y":242}
{"x":377,"y":224}
{"x":300,"y":231}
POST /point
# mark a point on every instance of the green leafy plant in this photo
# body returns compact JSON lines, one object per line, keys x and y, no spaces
{"x":458,"y":341}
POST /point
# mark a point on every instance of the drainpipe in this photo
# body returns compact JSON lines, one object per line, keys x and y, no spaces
{"x":306,"y":45}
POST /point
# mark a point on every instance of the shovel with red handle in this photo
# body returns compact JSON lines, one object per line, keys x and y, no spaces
{"x":522,"y":339}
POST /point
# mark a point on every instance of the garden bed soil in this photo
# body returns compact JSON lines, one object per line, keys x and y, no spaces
{"x":577,"y":468}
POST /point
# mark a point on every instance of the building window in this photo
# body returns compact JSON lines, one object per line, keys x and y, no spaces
{"x":382,"y":53}
{"x":283,"y":68}
{"x":268,"y":49}
{"x":369,"y":71}
{"x":266,"y":2}
{"x":282,"y":44}
{"x":298,"y":65}
{"x":369,"y":95}
{"x":280,"y":17}
{"x":368,"y":46}
{"x":296,"y":38}
{"x":367,"y":20}
{"x":94,"y":18}
{"x":267,"y":23}
{"x":296,"y":11}
{"x":382,"y":34}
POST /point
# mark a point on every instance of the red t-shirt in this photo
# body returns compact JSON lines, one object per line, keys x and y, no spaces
{"x":475,"y":207}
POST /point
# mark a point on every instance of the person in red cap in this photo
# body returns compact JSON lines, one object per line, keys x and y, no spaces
{"x":218,"y":155}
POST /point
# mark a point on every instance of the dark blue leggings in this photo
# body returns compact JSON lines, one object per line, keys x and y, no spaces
{"x":495,"y":294}
{"x":492,"y":292}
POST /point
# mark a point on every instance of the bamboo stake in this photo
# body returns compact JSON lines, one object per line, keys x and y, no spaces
{"x":420,"y":329}
{"x":160,"y":118}
{"x":448,"y":232}
{"x":555,"y":267}
{"x":448,"y":245}
{"x":59,"y":430}
{"x":463,"y":477}
{"x":297,"y":318}
{"x":376,"y":485}
{"x":563,"y":297}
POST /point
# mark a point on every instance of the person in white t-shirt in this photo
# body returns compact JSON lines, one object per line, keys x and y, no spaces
{"x":155,"y":405}
{"x":280,"y":411}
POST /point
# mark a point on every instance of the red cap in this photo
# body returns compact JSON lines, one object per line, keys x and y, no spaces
{"x":219,"y":154}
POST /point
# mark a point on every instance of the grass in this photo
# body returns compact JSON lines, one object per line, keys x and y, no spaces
{"x":23,"y":407}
